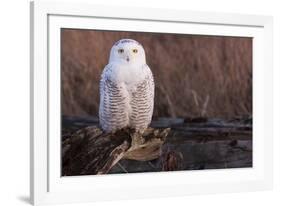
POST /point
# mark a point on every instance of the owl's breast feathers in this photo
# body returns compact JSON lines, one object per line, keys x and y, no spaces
{"x":126,"y":104}
{"x":142,"y":102}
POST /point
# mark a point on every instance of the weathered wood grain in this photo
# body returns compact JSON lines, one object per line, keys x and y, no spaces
{"x":192,"y":143}
{"x":91,"y":151}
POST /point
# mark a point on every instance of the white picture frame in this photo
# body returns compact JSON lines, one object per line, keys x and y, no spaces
{"x":47,"y":186}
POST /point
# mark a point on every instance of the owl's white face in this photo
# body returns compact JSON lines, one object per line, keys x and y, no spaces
{"x":127,"y":51}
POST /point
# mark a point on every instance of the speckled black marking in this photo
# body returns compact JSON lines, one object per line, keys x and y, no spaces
{"x":123,"y":41}
{"x":116,"y":43}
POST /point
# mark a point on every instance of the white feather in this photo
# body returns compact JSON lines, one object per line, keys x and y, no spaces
{"x":126,"y":89}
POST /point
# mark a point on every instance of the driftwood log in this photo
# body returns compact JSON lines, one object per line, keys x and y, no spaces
{"x":170,"y":144}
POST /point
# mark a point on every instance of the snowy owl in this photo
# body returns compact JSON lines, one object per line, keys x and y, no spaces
{"x":126,"y":89}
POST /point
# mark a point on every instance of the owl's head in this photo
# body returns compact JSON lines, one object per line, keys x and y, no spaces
{"x":127,"y":51}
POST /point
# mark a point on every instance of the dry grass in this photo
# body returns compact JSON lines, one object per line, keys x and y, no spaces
{"x":194,"y":75}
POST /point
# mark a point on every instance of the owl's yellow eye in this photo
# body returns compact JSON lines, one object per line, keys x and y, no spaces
{"x":135,"y":50}
{"x":120,"y":51}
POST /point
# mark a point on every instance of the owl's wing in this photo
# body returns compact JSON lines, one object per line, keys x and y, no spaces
{"x":114,"y":103}
{"x":142,"y":102}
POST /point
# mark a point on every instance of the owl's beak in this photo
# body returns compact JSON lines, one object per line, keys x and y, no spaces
{"x":127,"y":59}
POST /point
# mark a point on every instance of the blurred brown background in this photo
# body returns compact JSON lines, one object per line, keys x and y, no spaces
{"x":194,"y":75}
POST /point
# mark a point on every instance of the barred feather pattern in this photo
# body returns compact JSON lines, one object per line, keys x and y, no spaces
{"x":114,"y":100}
{"x":142,"y":103}
{"x":123,"y":105}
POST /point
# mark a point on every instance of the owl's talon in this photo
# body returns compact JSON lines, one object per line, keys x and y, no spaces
{"x":137,"y":140}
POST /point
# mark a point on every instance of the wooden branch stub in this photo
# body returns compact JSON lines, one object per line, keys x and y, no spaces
{"x":172,"y":161}
{"x":150,"y":148}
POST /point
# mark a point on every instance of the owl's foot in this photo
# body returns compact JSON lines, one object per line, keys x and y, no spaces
{"x":137,"y":140}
